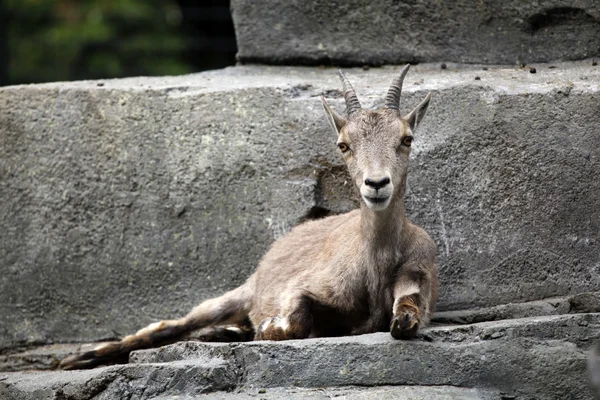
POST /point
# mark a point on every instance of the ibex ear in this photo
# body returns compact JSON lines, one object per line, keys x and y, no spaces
{"x":336,"y":120}
{"x":416,"y":115}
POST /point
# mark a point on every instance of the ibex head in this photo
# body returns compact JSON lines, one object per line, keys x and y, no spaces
{"x":376,"y":144}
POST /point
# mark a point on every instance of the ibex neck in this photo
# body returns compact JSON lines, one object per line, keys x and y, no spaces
{"x":383,"y":228}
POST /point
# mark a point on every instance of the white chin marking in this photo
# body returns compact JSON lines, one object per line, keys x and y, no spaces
{"x":377,"y":206}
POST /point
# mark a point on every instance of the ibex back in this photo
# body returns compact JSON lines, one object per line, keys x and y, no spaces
{"x":365,"y":271}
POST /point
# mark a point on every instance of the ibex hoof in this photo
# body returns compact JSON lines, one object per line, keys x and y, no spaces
{"x":404,"y":327}
{"x":79,"y":361}
{"x":405,"y":323}
{"x":99,"y":356}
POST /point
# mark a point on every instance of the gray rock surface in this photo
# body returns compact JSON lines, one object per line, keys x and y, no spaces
{"x":132,"y":201}
{"x":120,"y":381}
{"x":48,"y":357}
{"x":375,"y":32}
{"x":540,"y":357}
{"x":38,"y":357}
{"x":350,"y":393}
{"x":578,"y":303}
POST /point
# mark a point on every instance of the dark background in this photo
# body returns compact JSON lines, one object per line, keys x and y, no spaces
{"x":59,"y":40}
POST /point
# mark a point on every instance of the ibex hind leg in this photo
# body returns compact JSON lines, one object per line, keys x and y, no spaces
{"x":231,"y":308}
{"x":243,"y":332}
{"x":165,"y":332}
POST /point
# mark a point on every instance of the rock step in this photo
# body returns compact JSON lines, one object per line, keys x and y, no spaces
{"x":351,"y":393}
{"x":131,"y":381}
{"x":578,"y":303}
{"x":541,"y":357}
{"x":129,"y":201}
{"x":578,"y":329}
{"x":359,"y":32}
{"x":48,"y":357}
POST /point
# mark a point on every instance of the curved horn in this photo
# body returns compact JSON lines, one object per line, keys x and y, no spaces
{"x":392,"y":100}
{"x":352,"y":103}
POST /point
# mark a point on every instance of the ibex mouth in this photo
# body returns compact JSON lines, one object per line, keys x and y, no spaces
{"x":377,"y":203}
{"x":377,"y":200}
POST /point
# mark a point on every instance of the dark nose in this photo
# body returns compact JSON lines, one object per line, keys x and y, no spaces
{"x":377,"y":184}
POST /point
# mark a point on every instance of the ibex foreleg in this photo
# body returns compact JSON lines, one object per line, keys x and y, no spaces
{"x":414,"y":295}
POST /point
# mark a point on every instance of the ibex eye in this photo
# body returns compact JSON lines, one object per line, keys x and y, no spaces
{"x":343,"y":147}
{"x":407,"y":140}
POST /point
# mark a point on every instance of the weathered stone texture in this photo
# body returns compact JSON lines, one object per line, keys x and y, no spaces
{"x":349,"y":393}
{"x":133,"y":201}
{"x":120,"y":381}
{"x":542,"y":358}
{"x":375,"y":32}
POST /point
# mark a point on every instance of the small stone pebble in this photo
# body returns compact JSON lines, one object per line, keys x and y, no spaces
{"x":477,"y":78}
{"x":262,"y":391}
{"x":594,"y":63}
{"x":100,"y":84}
{"x":365,"y":67}
{"x":485,"y":68}
{"x":532,"y":70}
{"x":443,"y":66}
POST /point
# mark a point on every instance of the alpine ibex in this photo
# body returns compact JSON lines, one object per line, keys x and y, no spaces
{"x":365,"y":271}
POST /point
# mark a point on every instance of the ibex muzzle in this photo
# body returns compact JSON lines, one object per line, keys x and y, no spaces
{"x":376,"y":144}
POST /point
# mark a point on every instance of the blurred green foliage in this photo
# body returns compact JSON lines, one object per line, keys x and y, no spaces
{"x":53,"y":40}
